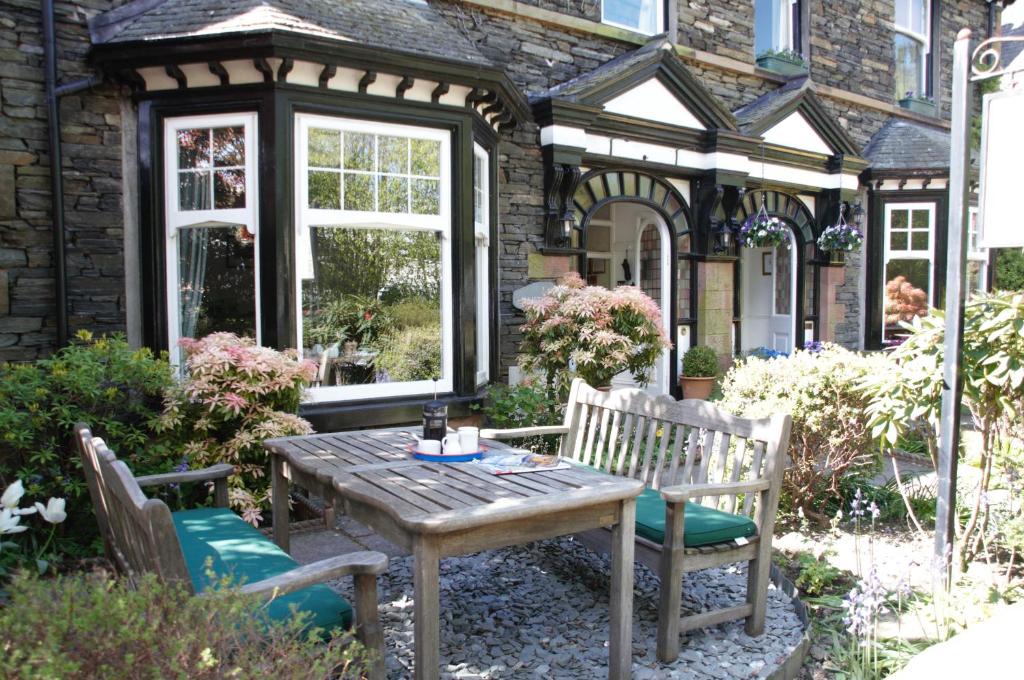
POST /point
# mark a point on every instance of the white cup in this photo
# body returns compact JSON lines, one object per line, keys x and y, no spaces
{"x":429,"y":446}
{"x":451,"y":445}
{"x":469,"y":439}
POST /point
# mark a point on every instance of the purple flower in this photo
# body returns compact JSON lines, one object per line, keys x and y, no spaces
{"x":814,"y":346}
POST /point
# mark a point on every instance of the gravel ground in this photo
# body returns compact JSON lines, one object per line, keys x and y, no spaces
{"x":541,"y":611}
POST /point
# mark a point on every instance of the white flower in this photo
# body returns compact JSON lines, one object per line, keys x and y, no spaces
{"x":9,"y":522}
{"x":12,"y":495}
{"x":54,"y":510}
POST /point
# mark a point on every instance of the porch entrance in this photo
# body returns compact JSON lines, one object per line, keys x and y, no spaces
{"x":769,"y":297}
{"x":627,"y":246}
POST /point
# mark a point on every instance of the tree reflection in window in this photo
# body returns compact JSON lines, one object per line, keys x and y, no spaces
{"x":211,"y":168}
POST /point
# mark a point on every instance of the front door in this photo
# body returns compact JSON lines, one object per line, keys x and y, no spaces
{"x":783,"y":297}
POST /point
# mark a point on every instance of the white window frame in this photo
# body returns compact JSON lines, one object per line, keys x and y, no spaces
{"x":176,"y":219}
{"x":974,"y":252}
{"x":908,"y":254}
{"x":482,"y":238}
{"x":306,"y":217}
{"x":926,"y":41}
{"x":660,"y":27}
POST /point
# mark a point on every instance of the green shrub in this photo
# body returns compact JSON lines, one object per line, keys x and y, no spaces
{"x":700,"y":361}
{"x":525,"y":405}
{"x":347,"y":317}
{"x":91,"y":626}
{"x":830,"y":434}
{"x":817,"y":576}
{"x":412,"y":353}
{"x":1009,"y":274}
{"x":117,"y":390}
{"x":414,"y":312}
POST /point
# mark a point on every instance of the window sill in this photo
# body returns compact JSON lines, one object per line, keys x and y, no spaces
{"x":781,"y":66}
{"x":924,"y":107}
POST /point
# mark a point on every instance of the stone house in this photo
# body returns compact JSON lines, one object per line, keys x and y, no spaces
{"x":293,"y":170}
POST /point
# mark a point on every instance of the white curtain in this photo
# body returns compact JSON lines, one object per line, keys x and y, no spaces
{"x":191,"y":276}
{"x":648,"y":21}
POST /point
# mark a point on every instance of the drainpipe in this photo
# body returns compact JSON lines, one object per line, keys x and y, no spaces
{"x":53,"y":94}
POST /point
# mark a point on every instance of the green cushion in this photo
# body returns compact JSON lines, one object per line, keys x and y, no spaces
{"x":702,"y":525}
{"x":238,"y":550}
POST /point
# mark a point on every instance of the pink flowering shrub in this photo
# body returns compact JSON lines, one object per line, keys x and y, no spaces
{"x":235,"y":395}
{"x":592,"y":332}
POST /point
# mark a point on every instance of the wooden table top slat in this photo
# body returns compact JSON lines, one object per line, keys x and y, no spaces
{"x":423,"y":486}
{"x":371,"y":450}
{"x":466,"y":494}
{"x":482,"y":483}
{"x":328,"y":455}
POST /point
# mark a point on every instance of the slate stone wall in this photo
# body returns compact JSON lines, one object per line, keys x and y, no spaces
{"x":92,"y":186}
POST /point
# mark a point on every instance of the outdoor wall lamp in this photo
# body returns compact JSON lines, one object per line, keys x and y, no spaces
{"x":723,"y":233}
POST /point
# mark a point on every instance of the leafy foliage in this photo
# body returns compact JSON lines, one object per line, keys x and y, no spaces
{"x":117,"y":390}
{"x":908,"y":395}
{"x":525,"y":405}
{"x":413,"y":353}
{"x":234,"y":396}
{"x":830,"y":434}
{"x":347,"y":317}
{"x":92,"y":626}
{"x":700,"y":361}
{"x":1009,"y":273}
{"x":593,"y":332}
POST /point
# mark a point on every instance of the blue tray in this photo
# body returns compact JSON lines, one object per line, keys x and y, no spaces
{"x":446,"y":458}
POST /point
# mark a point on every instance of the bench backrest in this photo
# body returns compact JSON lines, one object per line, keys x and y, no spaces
{"x":665,"y":442}
{"x":138,"y":532}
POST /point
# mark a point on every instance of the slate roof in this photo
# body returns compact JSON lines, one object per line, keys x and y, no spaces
{"x":571,"y":89}
{"x":905,"y":145}
{"x":394,"y":25}
{"x":751,"y":114}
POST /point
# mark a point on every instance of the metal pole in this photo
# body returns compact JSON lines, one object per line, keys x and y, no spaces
{"x":952,"y":381}
{"x":56,"y":177}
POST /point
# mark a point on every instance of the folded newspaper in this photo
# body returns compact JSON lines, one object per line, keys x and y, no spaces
{"x":518,"y":461}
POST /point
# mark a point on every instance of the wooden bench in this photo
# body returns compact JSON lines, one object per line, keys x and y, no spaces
{"x":708,"y":473}
{"x":141,"y":535}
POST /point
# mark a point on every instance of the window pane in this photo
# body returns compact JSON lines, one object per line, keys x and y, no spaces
{"x":194,"y":190}
{"x":324,"y":190}
{"x":229,"y":189}
{"x":426,"y":157}
{"x":359,"y":191}
{"x":919,"y":241}
{"x":919,"y":219}
{"x":898,"y":240}
{"x":394,"y":194}
{"x":324,"y":148}
{"x":650,"y":263}
{"x":393,"y":154}
{"x":683,"y":288}
{"x":773,"y":25}
{"x":216,"y":281}
{"x":193,"y":149}
{"x":783,"y":279}
{"x":907,"y":283}
{"x":898,"y":219}
{"x":358,"y":151}
{"x":975,"y":276}
{"x":229,"y":146}
{"x":372,"y":311}
{"x":426,"y":197}
{"x":909,"y":73}
{"x":641,"y":15}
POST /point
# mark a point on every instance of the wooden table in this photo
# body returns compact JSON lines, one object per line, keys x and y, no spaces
{"x":435,"y":510}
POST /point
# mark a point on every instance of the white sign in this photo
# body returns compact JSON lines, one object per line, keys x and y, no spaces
{"x":1002,"y":152}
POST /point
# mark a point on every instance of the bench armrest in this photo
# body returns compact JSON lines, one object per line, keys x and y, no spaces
{"x":684,"y":492}
{"x":517,"y":432}
{"x":357,"y":563}
{"x":219,"y":471}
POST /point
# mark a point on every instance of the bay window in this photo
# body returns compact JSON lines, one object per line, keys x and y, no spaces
{"x":908,"y":261}
{"x":776,"y":26}
{"x":211,"y":227}
{"x":482,"y":238}
{"x":912,"y":46}
{"x":373,"y":287}
{"x":642,"y":16}
{"x":977,"y":257}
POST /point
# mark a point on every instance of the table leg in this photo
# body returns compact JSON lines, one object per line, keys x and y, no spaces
{"x":427,"y":614}
{"x":620,"y":643}
{"x":279,"y":500}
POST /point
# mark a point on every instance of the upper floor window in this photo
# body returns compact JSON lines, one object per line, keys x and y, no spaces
{"x":912,"y":46}
{"x":642,"y":16}
{"x":776,"y":26}
{"x":211,"y":227}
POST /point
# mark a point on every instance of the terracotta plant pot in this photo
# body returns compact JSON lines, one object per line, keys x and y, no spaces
{"x":696,"y":388}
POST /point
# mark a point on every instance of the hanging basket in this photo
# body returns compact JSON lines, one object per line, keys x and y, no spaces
{"x":837,"y":257}
{"x":763,"y":231}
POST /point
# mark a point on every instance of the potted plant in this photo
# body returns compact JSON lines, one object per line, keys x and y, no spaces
{"x":922,"y":105}
{"x":839,"y":239}
{"x":591,"y":332}
{"x":783,"y":62}
{"x":763,"y":231}
{"x":700,"y":368}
